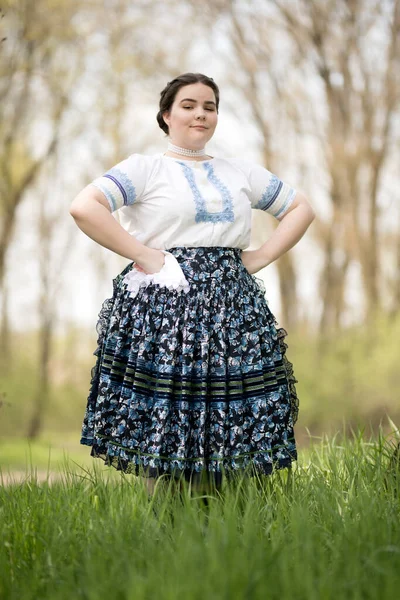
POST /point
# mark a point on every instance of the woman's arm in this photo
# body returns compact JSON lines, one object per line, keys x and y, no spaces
{"x":290,"y":230}
{"x":92,"y":214}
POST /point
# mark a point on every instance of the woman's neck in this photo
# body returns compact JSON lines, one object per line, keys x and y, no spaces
{"x":197,"y":158}
{"x":175,"y":150}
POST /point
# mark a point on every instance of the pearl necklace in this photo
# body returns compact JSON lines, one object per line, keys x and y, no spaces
{"x":185,"y":151}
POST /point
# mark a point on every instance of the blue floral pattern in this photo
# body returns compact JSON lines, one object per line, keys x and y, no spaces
{"x":192,"y":382}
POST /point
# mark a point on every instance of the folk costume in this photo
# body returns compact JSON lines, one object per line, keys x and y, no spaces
{"x":191,"y":376}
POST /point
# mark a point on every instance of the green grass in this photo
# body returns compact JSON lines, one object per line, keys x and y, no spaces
{"x":330,"y":528}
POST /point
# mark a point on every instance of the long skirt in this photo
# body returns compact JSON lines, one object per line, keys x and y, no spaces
{"x":192,"y":384}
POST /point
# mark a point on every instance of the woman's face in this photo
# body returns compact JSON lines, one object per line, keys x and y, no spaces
{"x":193,"y":116}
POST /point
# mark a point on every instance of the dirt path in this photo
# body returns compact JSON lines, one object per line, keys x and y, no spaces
{"x":18,"y":477}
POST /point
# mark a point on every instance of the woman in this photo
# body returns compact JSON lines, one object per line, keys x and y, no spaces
{"x":191,"y":377}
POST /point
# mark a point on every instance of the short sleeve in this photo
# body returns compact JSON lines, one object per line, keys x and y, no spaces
{"x":268,"y":192}
{"x":125,"y":183}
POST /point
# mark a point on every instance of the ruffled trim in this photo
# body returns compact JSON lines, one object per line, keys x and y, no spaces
{"x":294,"y":400}
{"x":123,"y":459}
{"x":102,"y":325}
{"x":282,"y":333}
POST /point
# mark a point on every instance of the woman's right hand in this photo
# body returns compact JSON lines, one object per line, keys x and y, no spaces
{"x":152,"y":262}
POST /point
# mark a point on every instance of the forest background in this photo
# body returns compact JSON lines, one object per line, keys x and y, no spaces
{"x":310,"y":89}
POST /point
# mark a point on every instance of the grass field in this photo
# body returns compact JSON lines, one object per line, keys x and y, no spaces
{"x":330,"y":528}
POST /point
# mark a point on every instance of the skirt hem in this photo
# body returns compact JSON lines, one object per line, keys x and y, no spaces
{"x":205,"y":468}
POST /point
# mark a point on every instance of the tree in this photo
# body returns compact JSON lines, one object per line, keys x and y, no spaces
{"x":37,"y":73}
{"x":354,"y":50}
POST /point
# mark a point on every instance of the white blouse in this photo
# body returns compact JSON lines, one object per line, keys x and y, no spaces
{"x":166,"y":202}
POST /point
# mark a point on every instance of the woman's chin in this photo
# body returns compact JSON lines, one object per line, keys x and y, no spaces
{"x":198,"y":140}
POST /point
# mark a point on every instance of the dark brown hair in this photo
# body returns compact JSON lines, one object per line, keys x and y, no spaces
{"x":171,"y":89}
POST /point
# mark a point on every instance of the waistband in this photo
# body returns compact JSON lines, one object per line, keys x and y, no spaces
{"x":204,"y":251}
{"x":204,"y":262}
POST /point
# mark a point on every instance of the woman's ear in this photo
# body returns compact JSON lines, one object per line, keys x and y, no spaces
{"x":166,"y":118}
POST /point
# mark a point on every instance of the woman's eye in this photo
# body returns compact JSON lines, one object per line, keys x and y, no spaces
{"x":187,"y":107}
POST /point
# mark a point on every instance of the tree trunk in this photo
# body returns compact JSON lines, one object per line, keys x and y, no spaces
{"x":288,"y":290}
{"x":396,"y":288}
{"x":5,"y":346}
{"x":7,"y":226}
{"x":333,"y":275}
{"x":370,"y":262}
{"x":42,"y":393}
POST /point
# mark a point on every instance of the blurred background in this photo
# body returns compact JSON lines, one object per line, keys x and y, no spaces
{"x":309,"y":88}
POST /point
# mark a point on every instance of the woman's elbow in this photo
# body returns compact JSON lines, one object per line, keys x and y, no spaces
{"x":75,"y":210}
{"x":83,"y":203}
{"x":311,"y":213}
{"x":78,"y":204}
{"x":307,"y":206}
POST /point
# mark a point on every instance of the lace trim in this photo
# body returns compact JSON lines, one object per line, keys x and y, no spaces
{"x":171,"y":276}
{"x":202,"y":214}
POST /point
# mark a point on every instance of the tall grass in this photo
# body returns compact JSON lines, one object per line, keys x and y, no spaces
{"x":330,"y":528}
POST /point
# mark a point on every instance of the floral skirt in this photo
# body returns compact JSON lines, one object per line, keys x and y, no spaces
{"x":194,"y":384}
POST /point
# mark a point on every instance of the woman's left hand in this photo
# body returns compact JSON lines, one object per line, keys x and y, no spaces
{"x":253,"y":260}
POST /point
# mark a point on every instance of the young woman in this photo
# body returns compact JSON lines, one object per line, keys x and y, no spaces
{"x":191,"y":378}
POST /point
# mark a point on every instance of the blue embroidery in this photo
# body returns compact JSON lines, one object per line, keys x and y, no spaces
{"x":223,"y":190}
{"x":202,"y":213}
{"x":287,"y":203}
{"x":271,"y":193}
{"x":112,"y":201}
{"x":124,"y":184}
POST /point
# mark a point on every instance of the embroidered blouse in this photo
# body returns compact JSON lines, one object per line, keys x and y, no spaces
{"x":166,"y":202}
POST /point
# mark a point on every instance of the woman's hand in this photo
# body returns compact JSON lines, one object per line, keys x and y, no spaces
{"x":253,"y":260}
{"x":152,"y":262}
